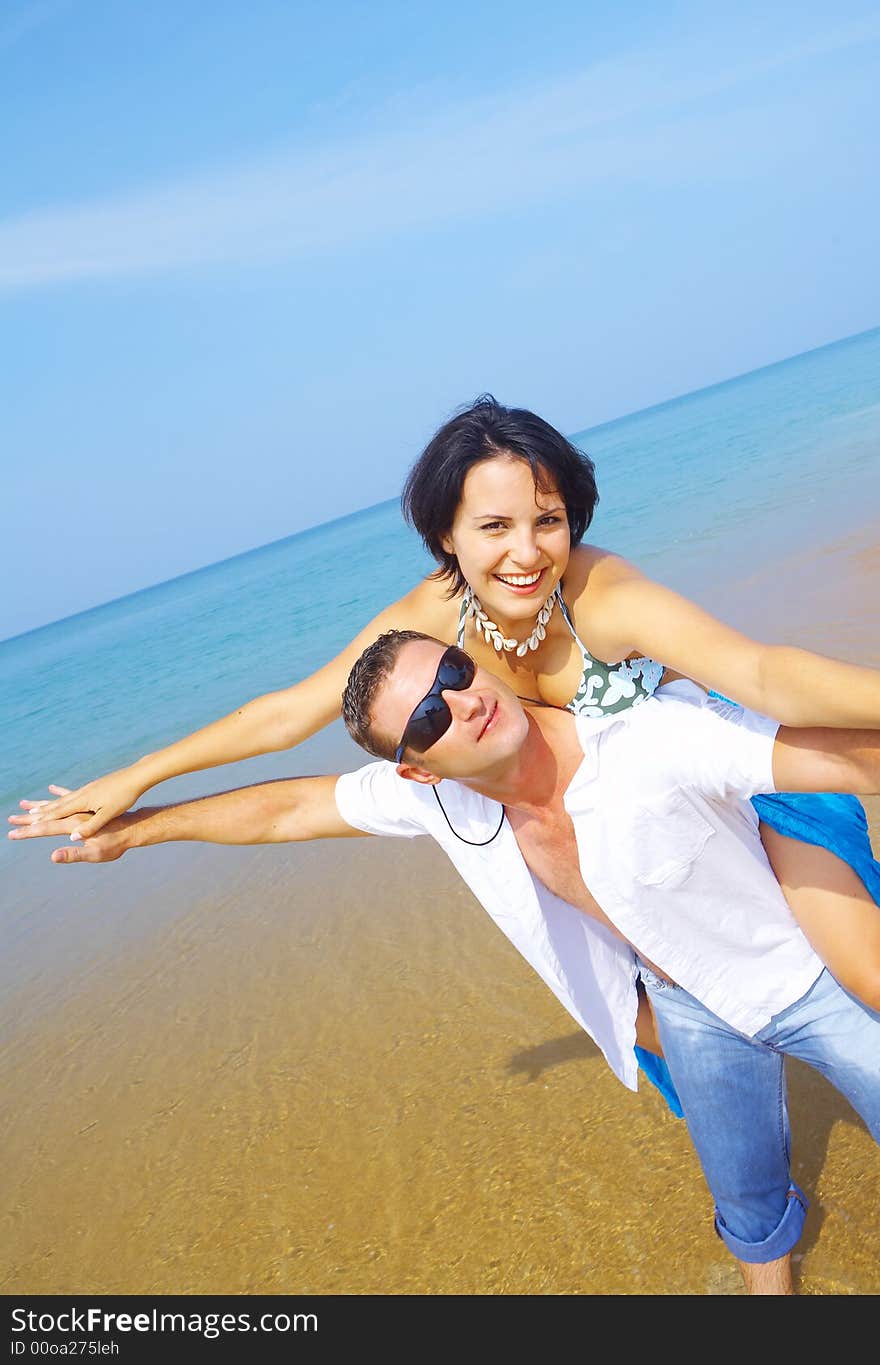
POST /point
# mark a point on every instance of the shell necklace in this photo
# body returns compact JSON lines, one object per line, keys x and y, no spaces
{"x":472,"y":607}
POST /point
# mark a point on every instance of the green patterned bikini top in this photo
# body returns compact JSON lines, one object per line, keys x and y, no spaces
{"x":604,"y":689}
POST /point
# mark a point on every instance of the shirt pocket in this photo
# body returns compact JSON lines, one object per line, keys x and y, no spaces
{"x":669,"y":836}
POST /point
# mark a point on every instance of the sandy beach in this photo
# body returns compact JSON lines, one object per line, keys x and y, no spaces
{"x":322,"y":1069}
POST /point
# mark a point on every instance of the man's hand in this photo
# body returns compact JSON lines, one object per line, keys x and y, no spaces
{"x":285,"y":811}
{"x":105,"y":847}
{"x":96,"y":802}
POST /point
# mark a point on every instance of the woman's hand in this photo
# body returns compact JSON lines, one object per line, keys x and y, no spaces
{"x":93,"y":805}
{"x":106,"y":847}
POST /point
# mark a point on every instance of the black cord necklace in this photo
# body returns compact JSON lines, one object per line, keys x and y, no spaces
{"x":475,"y":843}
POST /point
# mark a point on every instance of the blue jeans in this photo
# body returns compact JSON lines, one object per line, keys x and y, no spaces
{"x":732,"y":1090}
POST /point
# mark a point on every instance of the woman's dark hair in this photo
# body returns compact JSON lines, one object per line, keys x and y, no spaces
{"x":433,"y":487}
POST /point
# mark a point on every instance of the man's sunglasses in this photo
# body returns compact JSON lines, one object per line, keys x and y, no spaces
{"x":432,"y":717}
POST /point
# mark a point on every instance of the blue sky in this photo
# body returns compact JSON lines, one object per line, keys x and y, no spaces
{"x":251,"y":255}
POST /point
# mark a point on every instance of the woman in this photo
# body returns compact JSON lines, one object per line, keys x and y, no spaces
{"x":502,"y":501}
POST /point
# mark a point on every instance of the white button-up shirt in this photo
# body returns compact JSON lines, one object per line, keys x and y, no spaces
{"x":668,"y":846}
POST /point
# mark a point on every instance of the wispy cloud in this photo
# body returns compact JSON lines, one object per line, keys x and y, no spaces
{"x":458,"y":164}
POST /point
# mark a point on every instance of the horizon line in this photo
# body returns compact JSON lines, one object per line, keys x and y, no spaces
{"x":359,"y":511}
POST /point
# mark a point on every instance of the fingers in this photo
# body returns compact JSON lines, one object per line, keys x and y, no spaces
{"x":36,"y":816}
{"x":100,"y":850}
{"x":93,"y":843}
{"x":85,"y":829}
{"x":71,"y":854}
{"x":39,"y":811}
{"x":85,"y":822}
{"x":64,"y":804}
{"x":40,"y":819}
{"x":41,"y":829}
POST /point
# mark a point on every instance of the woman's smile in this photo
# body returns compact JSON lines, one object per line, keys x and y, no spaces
{"x":522,"y":584}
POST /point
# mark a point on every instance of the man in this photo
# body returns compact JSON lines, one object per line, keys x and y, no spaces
{"x":590,"y":842}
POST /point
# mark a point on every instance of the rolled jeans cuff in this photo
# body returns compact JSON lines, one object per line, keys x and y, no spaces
{"x":781,"y":1240}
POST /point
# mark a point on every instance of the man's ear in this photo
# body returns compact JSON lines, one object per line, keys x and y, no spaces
{"x":414,"y":774}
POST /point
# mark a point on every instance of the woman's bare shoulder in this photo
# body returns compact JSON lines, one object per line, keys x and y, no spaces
{"x":592,"y":570}
{"x":593,"y":589}
{"x":427,"y":607}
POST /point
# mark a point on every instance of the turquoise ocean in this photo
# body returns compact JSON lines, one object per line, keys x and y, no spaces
{"x":695,"y":490}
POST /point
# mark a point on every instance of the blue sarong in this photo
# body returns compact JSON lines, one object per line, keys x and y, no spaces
{"x":837,"y":823}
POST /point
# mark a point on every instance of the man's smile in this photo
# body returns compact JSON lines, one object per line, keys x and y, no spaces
{"x":492,"y":714}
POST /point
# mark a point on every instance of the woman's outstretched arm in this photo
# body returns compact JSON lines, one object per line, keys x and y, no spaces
{"x":277,"y":720}
{"x":627,"y":613}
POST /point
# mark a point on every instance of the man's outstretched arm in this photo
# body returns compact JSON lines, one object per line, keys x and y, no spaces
{"x":293,"y":809}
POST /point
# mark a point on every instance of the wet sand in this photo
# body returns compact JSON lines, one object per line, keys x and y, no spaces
{"x":322,"y":1069}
